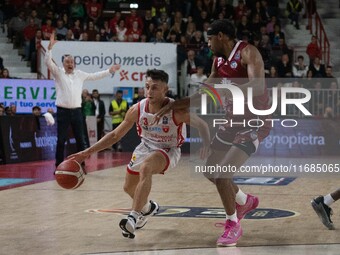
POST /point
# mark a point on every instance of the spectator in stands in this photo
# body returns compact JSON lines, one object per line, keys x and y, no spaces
{"x":299,"y":68}
{"x":77,"y":29}
{"x":317,"y":68}
{"x":105,"y":32}
{"x":272,"y":76}
{"x":130,"y":19}
{"x":36,"y":111}
{"x":117,"y":110}
{"x":135,"y":31}
{"x":192,"y":62}
{"x":5,"y":74}
{"x":76,"y":10}
{"x":165,"y":29}
{"x":88,"y":109}
{"x":293,"y":8}
{"x":332,"y":101}
{"x":60,"y":30}
{"x":276,"y":35}
{"x":196,"y":79}
{"x":265,"y":52}
{"x":189,"y":32}
{"x":35,"y":45}
{"x":1,"y":64}
{"x":243,"y":28}
{"x":158,"y":37}
{"x":62,"y":6}
{"x":163,"y":18}
{"x":94,"y":11}
{"x":69,"y":35}
{"x":91,"y":30}
{"x":34,"y":16}
{"x":270,"y":25}
{"x":26,"y":8}
{"x":239,"y":11}
{"x":99,"y":113}
{"x":313,"y":50}
{"x":13,"y":109}
{"x":15,"y":29}
{"x":29,"y":33}
{"x":147,"y":20}
{"x":197,"y":41}
{"x":121,"y":31}
{"x":47,"y":29}
{"x":178,"y":21}
{"x":173,"y":38}
{"x":329,"y":76}
{"x":8,"y":11}
{"x":150,"y":31}
{"x":224,"y":7}
{"x":140,"y":96}
{"x":2,"y":110}
{"x":255,"y":24}
{"x":308,"y":83}
{"x":49,"y":15}
{"x":67,"y":21}
{"x":318,"y":99}
{"x":8,"y":111}
{"x":284,"y":67}
{"x":201,"y":20}
{"x":113,"y":23}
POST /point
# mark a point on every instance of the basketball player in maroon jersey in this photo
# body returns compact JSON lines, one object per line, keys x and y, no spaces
{"x":232,"y":145}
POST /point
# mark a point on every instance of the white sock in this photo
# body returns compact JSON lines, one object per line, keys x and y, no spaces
{"x":328,"y":200}
{"x":232,"y":217}
{"x":135,"y":214}
{"x":241,"y":198}
{"x":146,"y":207}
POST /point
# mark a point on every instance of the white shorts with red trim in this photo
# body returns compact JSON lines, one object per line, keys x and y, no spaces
{"x":142,"y":151}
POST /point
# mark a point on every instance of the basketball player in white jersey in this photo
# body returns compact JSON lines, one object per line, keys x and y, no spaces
{"x":158,"y":151}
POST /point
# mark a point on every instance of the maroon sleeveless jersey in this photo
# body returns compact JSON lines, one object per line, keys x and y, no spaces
{"x":233,"y":70}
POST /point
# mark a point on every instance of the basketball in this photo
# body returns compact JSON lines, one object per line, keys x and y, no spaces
{"x":69,"y":174}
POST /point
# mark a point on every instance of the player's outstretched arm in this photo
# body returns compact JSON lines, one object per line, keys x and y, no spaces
{"x":111,"y":138}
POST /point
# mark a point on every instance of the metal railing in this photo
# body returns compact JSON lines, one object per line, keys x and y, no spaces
{"x":316,"y":28}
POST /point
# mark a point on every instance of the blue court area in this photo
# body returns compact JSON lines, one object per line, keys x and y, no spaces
{"x":13,"y":181}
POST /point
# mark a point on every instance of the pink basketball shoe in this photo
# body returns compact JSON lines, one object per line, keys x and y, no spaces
{"x":232,"y":232}
{"x":251,"y":203}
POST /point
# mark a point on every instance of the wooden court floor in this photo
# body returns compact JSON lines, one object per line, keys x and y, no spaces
{"x":42,"y":218}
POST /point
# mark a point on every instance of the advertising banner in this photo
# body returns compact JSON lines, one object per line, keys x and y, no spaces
{"x":134,"y":58}
{"x":28,"y":138}
{"x":25,"y":94}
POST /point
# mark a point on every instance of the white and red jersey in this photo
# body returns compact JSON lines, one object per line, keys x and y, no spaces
{"x":164,"y":135}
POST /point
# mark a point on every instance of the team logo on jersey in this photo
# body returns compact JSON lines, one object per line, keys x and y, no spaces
{"x":220,"y":61}
{"x":165,"y":120}
{"x":165,"y":129}
{"x":237,"y":55}
{"x":233,"y":64}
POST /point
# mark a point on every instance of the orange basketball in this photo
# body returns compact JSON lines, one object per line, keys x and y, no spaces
{"x":69,"y":174}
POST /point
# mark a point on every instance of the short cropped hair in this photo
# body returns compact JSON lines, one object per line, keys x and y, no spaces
{"x":157,"y":74}
{"x":224,"y":26}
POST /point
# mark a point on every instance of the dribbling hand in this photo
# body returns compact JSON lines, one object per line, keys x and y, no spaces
{"x":79,"y":157}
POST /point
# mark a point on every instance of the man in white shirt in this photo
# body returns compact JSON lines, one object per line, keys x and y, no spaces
{"x":299,"y":68}
{"x":69,"y":86}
